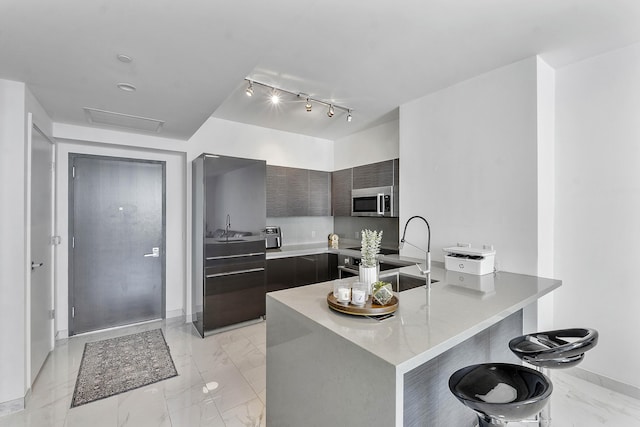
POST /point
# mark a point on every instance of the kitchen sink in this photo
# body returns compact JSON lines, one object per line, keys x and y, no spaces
{"x":406,"y":282}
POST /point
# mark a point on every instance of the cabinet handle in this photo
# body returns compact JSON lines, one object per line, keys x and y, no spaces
{"x":211,"y":258}
{"x":231,"y":273}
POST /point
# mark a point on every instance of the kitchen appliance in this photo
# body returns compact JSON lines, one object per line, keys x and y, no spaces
{"x":466,"y":259}
{"x":273,"y":237}
{"x":375,"y":201}
{"x":229,"y":256}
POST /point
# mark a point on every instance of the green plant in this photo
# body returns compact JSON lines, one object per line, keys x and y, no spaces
{"x":369,"y":247}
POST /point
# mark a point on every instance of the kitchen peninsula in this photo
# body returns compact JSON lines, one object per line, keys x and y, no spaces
{"x":328,"y":368}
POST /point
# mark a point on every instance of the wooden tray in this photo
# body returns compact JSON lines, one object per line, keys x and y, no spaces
{"x":369,"y":309}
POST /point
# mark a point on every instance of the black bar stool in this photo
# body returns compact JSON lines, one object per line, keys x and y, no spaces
{"x":563,"y":348}
{"x":501,"y":392}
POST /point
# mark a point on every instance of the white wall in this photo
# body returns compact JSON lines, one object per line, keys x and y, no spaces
{"x":13,"y":261}
{"x":546,"y":87}
{"x":279,"y":148}
{"x":598,"y":207}
{"x":372,"y":145}
{"x":468,"y":165}
{"x":16,"y":104}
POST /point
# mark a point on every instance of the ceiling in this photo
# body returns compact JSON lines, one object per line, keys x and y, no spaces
{"x":190,"y":57}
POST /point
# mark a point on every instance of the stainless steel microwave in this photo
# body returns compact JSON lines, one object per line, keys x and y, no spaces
{"x":376,"y":201}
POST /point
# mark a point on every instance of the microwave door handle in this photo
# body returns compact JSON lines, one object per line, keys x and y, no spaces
{"x":380,"y":204}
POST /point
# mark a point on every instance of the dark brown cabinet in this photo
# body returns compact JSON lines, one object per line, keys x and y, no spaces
{"x":276,"y":187}
{"x":341,"y":192}
{"x":285,"y":273}
{"x":319,"y":193}
{"x":297,"y":192}
{"x":280,"y":274}
{"x":379,"y":174}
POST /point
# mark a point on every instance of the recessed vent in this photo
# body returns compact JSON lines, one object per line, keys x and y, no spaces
{"x":95,"y":116}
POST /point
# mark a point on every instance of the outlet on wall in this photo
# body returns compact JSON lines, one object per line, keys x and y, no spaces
{"x":313,"y":233}
{"x":357,"y":233}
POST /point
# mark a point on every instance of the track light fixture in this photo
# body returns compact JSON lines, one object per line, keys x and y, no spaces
{"x":275,"y":98}
{"x":330,"y":112}
{"x":276,"y":92}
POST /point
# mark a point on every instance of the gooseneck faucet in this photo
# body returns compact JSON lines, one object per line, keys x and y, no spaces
{"x":227,"y":227}
{"x":427,"y":269}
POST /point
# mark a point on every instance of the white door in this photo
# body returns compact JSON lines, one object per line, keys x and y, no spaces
{"x":41,"y":250}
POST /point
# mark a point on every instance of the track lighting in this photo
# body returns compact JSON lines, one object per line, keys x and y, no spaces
{"x":330,"y":112}
{"x":277,"y":92}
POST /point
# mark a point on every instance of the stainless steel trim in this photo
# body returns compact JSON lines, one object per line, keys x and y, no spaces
{"x":233,"y":256}
{"x":348,"y":270}
{"x":231,"y":273}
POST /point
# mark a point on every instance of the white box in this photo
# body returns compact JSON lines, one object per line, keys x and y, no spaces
{"x":475,"y":285}
{"x":469,"y":260}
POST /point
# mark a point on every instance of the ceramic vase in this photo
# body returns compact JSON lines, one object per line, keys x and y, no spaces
{"x":368,"y":275}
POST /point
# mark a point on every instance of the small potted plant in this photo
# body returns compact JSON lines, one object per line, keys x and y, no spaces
{"x":369,"y":249}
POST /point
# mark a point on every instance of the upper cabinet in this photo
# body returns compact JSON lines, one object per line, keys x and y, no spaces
{"x":341,"y":182}
{"x":319,"y":193}
{"x":297,"y":192}
{"x":304,"y":192}
{"x":379,"y":174}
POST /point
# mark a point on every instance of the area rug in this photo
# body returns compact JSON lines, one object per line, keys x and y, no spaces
{"x":116,"y":365}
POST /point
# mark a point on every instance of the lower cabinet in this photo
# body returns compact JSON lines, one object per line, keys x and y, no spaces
{"x":284,"y":273}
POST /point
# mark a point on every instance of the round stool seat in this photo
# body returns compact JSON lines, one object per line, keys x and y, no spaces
{"x":501,"y":392}
{"x":562,"y":348}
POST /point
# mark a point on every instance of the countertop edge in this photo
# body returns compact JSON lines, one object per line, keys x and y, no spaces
{"x":405,"y":364}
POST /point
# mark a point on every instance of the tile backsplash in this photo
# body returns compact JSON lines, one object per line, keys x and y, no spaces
{"x":316,"y":229}
{"x":349,"y":228}
{"x":299,"y":230}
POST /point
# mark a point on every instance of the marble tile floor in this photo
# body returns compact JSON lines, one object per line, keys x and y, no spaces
{"x":222,"y":381}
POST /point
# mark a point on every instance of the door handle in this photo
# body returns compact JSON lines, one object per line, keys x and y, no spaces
{"x":36,"y":265}
{"x":155,"y":253}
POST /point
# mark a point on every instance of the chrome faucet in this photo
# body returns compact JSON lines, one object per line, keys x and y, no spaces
{"x":227,"y":226}
{"x":427,"y":264}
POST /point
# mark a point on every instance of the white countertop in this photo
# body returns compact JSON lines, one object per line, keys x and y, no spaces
{"x":320,"y":248}
{"x":299,"y":250}
{"x":427,"y":323}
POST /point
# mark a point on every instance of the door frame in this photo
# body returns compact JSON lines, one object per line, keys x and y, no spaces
{"x":71,"y":200}
{"x":31,"y":127}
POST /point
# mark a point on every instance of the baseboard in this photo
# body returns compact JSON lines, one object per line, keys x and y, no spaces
{"x":62,"y":334}
{"x":174,"y":313}
{"x":605,"y":382}
{"x":12,"y":406}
